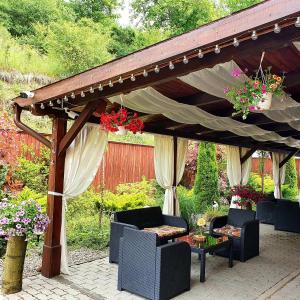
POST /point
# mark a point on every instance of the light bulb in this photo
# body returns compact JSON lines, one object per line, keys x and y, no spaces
{"x":50,"y":103}
{"x":120,"y":79}
{"x":236,"y":42}
{"x":156,"y":69}
{"x":58,"y":101}
{"x":73,"y":95}
{"x":254,"y":35}
{"x":297,"y":23}
{"x":110,"y":84}
{"x":145,"y":73}
{"x":42,"y":106}
{"x":132,"y":78}
{"x":277,"y":29}
{"x":200,"y":54}
{"x":82,"y":94}
{"x":66,"y":99}
{"x":100,"y":87}
{"x":185,"y":60}
{"x":32,"y":105}
{"x":91,"y":90}
{"x":171,"y":66}
{"x":217,"y":49}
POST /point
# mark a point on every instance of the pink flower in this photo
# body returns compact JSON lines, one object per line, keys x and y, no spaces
{"x":236,"y":72}
{"x":252,"y":108}
{"x":263,"y":88}
{"x":226,"y":90}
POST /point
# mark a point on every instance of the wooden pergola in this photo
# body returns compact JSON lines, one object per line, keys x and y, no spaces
{"x":86,"y":93}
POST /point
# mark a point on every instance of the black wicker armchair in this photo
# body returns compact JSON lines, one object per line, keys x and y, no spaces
{"x":265,"y":211}
{"x":247,"y":245}
{"x":140,"y":219}
{"x":151,"y":270}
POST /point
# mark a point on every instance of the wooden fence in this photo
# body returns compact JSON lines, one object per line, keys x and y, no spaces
{"x":122,"y":162}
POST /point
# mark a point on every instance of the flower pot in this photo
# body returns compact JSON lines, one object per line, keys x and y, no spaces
{"x":13,"y":265}
{"x":265,"y":102}
{"x":121,"y":130}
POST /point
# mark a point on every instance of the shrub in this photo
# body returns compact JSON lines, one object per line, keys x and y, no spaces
{"x":255,"y":182}
{"x":290,"y":188}
{"x":187,"y":203}
{"x":206,"y":183}
{"x":3,"y":172}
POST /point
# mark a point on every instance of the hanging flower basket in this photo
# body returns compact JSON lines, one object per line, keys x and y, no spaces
{"x":255,"y":93}
{"x":121,"y":122}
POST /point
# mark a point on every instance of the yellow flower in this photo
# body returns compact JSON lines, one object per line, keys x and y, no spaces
{"x":201,"y":222}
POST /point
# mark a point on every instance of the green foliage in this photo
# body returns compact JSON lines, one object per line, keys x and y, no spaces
{"x":34,"y":173}
{"x":3,"y":172}
{"x":255,"y":182}
{"x":187,"y":203}
{"x":236,"y":5}
{"x":211,"y":213}
{"x":130,"y":138}
{"x":290,"y":191}
{"x":206,"y":187}
{"x":175,"y":16}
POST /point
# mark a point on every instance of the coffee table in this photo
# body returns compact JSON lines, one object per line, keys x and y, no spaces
{"x":211,"y":248}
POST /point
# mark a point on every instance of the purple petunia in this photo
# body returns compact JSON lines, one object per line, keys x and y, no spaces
{"x":236,"y":72}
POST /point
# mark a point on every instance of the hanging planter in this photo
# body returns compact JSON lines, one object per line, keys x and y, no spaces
{"x":255,"y":93}
{"x":121,"y":122}
{"x":18,"y":223}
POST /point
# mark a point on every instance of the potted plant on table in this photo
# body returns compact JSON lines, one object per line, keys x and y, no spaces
{"x":199,"y":238}
{"x":18,"y":223}
{"x":245,"y":196}
{"x":254,"y":94}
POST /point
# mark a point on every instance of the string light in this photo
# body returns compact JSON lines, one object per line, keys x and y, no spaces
{"x":156,"y":69}
{"x":200,"y":54}
{"x":91,"y":90}
{"x":145,"y":73}
{"x":110,"y":84}
{"x":32,"y":105}
{"x":254,"y":35}
{"x":120,"y":79}
{"x":217,"y":49}
{"x":58,"y":101}
{"x":42,"y":106}
{"x":66,"y":99}
{"x":50,"y":103}
{"x":100,"y":87}
{"x":185,"y":60}
{"x":132,"y":78}
{"x":73,"y":95}
{"x":297,"y":23}
{"x":235,"y":42}
{"x":171,"y":66}
{"x":277,"y":29}
{"x":82,"y":94}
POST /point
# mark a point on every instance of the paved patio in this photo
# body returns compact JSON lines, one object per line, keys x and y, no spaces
{"x":274,"y":275}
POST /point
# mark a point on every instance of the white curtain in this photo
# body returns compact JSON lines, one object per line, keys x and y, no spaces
{"x":278,"y":173}
{"x":164,"y":168}
{"x":214,"y":80}
{"x":83,"y":158}
{"x":238,"y":174}
{"x":150,"y":101}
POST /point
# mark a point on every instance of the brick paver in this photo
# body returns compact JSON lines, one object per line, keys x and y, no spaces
{"x":274,"y":275}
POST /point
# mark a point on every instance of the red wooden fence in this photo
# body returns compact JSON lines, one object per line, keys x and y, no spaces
{"x":122,"y":162}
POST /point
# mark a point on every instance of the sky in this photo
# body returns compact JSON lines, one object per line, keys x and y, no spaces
{"x":124,"y":13}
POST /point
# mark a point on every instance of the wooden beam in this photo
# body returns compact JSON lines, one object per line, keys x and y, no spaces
{"x":79,"y":123}
{"x":52,"y":247}
{"x":248,"y":155}
{"x":265,"y":14}
{"x":284,"y":161}
{"x":28,"y":130}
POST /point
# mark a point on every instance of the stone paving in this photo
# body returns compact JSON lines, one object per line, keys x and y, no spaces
{"x":274,"y":275}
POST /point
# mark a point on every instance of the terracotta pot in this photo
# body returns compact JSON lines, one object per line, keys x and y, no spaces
{"x":121,"y":130}
{"x":13,"y":265}
{"x":266,"y":101}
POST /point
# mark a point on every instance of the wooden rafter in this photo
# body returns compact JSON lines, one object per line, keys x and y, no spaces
{"x":248,"y":155}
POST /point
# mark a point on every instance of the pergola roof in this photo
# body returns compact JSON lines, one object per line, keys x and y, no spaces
{"x":281,"y":53}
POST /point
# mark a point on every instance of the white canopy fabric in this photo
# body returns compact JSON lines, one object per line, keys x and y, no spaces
{"x":164,"y":168}
{"x":238,"y":174}
{"x":214,"y":80}
{"x":150,"y":101}
{"x":278,"y":173}
{"x":83,"y":158}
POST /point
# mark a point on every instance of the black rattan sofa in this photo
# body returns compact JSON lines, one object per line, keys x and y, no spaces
{"x":140,"y":219}
{"x":151,"y":270}
{"x":247,"y":245}
{"x":265,"y":211}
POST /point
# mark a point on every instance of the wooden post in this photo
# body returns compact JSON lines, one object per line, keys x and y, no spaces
{"x":175,"y":171}
{"x":52,"y":247}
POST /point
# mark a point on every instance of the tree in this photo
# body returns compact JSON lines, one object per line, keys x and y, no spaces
{"x":263,"y":155}
{"x":236,"y":5}
{"x":206,"y":183}
{"x":176,"y":16}
{"x":290,"y":188}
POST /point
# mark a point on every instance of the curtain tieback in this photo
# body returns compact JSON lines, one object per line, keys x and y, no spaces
{"x":55,"y":193}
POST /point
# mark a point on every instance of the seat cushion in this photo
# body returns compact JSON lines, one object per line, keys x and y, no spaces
{"x":229,"y":230}
{"x":165,"y":230}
